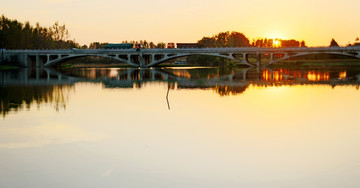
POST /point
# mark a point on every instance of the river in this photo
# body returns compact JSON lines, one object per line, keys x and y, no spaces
{"x":180,"y":127}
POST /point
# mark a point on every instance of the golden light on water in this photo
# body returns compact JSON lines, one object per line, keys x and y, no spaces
{"x":266,"y":75}
{"x":182,"y":73}
{"x":216,"y":128}
{"x":113,"y":73}
{"x":317,"y":76}
{"x":274,"y":76}
{"x":278,"y":75}
{"x":342,"y":75}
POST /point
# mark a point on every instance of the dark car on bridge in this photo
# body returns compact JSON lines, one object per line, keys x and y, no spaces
{"x":119,"y":46}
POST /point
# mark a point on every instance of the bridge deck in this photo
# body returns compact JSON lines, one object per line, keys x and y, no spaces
{"x":153,"y":57}
{"x":188,"y":50}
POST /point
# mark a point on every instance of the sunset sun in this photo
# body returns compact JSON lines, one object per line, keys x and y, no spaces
{"x":276,"y":43}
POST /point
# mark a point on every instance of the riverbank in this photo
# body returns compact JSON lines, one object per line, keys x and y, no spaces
{"x":6,"y":67}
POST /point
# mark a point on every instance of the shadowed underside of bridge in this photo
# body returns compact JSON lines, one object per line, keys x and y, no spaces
{"x":154,"y":57}
{"x":151,"y":60}
{"x":285,"y":56}
{"x":143,"y":60}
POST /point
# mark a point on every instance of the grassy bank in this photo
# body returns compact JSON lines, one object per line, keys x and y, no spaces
{"x":6,"y":67}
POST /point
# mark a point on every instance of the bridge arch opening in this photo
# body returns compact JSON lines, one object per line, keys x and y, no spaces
{"x":87,"y":59}
{"x":320,"y":56}
{"x":317,"y":56}
{"x":198,"y":59}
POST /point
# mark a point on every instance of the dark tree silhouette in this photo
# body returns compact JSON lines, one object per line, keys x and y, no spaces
{"x":17,"y":35}
{"x":283,"y":43}
{"x":333,"y":43}
{"x":225,"y":39}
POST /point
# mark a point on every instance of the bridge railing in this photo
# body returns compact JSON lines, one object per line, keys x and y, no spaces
{"x":185,"y":50}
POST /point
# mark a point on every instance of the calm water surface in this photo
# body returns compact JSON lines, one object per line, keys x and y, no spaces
{"x":188,"y":127}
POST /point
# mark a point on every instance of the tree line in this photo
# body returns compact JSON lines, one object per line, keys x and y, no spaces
{"x":144,"y":43}
{"x":265,"y":42}
{"x":225,"y":39}
{"x":17,"y":35}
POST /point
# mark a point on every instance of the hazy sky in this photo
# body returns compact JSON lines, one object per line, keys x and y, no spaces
{"x":315,"y":21}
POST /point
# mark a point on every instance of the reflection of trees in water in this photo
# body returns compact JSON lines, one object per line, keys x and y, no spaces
{"x":14,"y":98}
{"x":230,"y":90}
{"x":224,"y":80}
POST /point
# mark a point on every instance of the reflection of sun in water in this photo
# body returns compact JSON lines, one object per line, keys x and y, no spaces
{"x":113,"y":73}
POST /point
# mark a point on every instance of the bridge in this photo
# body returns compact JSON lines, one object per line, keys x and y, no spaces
{"x":154,"y":57}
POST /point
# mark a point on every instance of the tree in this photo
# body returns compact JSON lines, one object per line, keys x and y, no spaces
{"x":302,"y":44}
{"x":334,"y":43}
{"x":144,"y":43}
{"x":59,"y":32}
{"x":224,"y":39}
{"x":259,"y":43}
{"x":236,"y":39}
{"x":160,"y":45}
{"x":97,"y":45}
{"x":290,"y":43}
{"x":16,"y":35}
{"x":152,"y":45}
{"x":207,"y":42}
{"x":270,"y":43}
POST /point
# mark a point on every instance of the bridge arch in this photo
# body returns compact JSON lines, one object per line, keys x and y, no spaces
{"x":227,"y":56}
{"x":287,"y":56}
{"x":152,"y":57}
{"x":75,"y":56}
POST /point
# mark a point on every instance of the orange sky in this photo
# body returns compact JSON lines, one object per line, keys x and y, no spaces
{"x":315,"y":21}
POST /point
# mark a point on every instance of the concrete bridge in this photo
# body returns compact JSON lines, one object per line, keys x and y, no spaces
{"x":153,"y":57}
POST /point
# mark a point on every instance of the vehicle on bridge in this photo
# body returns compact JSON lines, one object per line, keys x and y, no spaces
{"x":138,"y":46}
{"x":187,"y":45}
{"x":119,"y":46}
{"x":171,"y":45}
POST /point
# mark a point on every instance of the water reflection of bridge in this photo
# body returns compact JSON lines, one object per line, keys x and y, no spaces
{"x":122,"y":78}
{"x":135,"y":77}
{"x":21,"y":87}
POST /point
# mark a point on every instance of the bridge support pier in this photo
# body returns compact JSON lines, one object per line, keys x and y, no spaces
{"x":47,"y":74}
{"x":258,"y":55}
{"x":245,"y":58}
{"x":142,"y":63}
{"x":271,"y":58}
{"x":129,"y":74}
{"x":37,"y":60}
{"x":152,"y":75}
{"x":152,"y":57}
